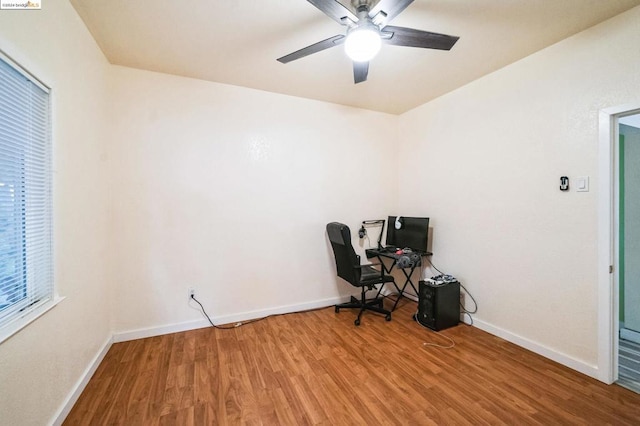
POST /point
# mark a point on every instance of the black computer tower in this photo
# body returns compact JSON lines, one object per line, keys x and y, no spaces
{"x":439,"y":305}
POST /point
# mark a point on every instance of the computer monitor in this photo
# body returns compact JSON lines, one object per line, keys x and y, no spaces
{"x":413,"y":233}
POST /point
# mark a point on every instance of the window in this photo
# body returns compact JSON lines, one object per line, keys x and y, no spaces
{"x":26,"y":266}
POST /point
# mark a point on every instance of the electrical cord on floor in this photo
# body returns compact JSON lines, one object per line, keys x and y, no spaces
{"x":241,"y":323}
{"x":452,"y":342}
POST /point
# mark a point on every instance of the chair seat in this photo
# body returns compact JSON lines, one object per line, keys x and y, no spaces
{"x":370,"y":275}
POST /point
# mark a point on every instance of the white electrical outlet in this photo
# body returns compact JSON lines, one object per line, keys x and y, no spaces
{"x":192,"y":293}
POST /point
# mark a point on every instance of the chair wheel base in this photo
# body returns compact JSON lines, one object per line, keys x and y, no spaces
{"x":375,"y":305}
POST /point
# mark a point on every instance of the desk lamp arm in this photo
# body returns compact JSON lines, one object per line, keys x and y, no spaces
{"x":376,"y":222}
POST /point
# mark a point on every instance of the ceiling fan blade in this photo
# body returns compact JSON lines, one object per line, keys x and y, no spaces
{"x":314,"y":48}
{"x":416,"y":38}
{"x":360,"y":71}
{"x":334,"y":10}
{"x":390,"y":9}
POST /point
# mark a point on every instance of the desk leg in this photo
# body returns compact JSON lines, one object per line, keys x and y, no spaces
{"x":388,"y":272}
{"x":408,"y":281}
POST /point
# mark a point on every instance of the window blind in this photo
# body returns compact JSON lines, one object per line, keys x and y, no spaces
{"x":26,"y":264}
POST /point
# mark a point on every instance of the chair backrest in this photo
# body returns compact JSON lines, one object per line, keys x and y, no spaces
{"x":345,"y":256}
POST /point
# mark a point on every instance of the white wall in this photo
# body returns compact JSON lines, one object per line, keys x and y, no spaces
{"x":228,"y":190}
{"x":491,"y":154}
{"x":40,"y":365}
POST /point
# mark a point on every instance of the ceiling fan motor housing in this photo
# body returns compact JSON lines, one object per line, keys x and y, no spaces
{"x":359,"y":3}
{"x":365,"y":32}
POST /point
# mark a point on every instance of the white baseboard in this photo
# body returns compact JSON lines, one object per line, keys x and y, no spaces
{"x":143,"y":333}
{"x":64,"y":411}
{"x":566,"y":360}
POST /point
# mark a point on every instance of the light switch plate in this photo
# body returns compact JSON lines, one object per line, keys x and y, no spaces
{"x":582,"y":184}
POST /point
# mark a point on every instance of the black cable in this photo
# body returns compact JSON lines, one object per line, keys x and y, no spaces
{"x":434,"y":266}
{"x":206,"y":315}
{"x":241,"y":323}
{"x":474,"y":302}
{"x":380,"y":236}
{"x":470,"y":318}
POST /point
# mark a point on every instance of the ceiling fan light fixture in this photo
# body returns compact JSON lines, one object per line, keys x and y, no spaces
{"x":363,"y":43}
{"x":367,"y":27}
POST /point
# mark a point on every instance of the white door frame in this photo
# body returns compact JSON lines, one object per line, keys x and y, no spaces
{"x":608,"y":291}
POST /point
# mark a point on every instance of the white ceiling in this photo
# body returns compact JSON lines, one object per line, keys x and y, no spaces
{"x":237,"y":42}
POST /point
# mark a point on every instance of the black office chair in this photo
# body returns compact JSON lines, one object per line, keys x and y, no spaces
{"x":350,"y":270}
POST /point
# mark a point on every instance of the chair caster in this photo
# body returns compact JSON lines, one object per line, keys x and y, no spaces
{"x":357,"y":322}
{"x":337,"y":310}
{"x":388,"y":317}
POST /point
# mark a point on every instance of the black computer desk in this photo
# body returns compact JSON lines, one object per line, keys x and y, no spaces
{"x":391,"y":254}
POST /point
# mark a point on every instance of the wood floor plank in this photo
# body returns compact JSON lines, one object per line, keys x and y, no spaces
{"x":317,"y":368}
{"x":308,"y":401}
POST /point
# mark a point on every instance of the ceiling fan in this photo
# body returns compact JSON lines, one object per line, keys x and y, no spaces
{"x":367,"y":29}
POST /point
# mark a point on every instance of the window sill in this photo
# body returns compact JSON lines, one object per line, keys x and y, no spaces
{"x":19,"y":323}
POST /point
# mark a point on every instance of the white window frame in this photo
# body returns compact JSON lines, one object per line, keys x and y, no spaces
{"x":33,"y":305}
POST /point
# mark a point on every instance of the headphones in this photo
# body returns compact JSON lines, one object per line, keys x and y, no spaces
{"x":399,"y":222}
{"x":362,"y":232}
{"x":403,"y":262}
{"x":408,"y":260}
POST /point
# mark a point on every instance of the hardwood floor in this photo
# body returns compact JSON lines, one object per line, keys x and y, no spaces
{"x":318,"y":368}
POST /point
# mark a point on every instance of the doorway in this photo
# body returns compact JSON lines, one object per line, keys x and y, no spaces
{"x":628,"y":217}
{"x":609,"y":239}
